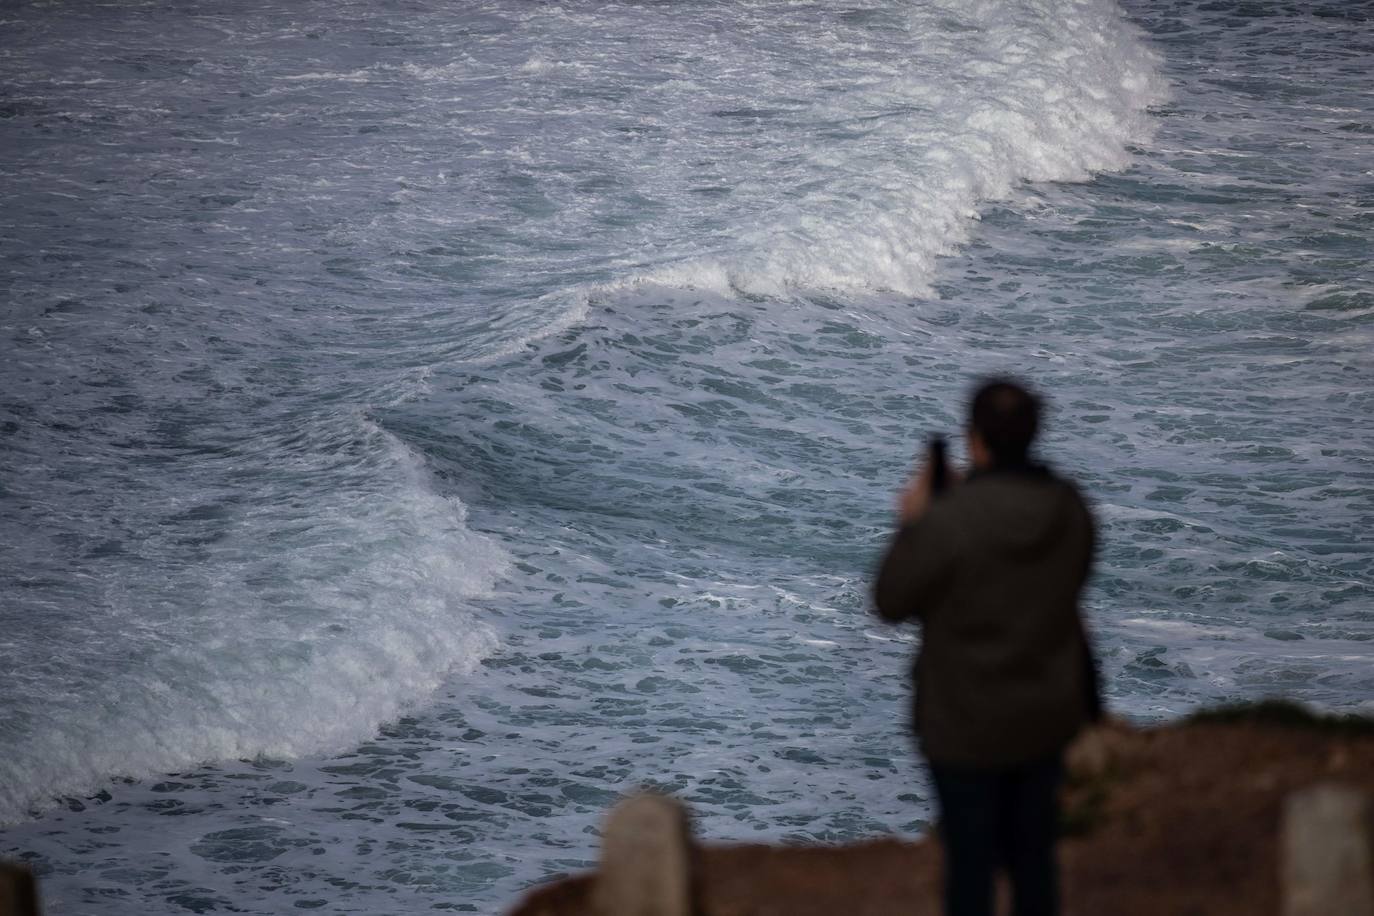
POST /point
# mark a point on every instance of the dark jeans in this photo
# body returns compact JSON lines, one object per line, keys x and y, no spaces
{"x":992,"y":818}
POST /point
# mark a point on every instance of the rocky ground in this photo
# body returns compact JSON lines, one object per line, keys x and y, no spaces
{"x":1179,"y":820}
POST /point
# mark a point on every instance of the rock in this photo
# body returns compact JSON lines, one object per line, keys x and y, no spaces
{"x":1328,"y":852}
{"x":18,"y":891}
{"x":645,"y":860}
{"x":1098,"y":749}
{"x":1185,"y":814}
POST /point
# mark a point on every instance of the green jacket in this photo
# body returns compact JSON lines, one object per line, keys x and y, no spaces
{"x":993,"y":571}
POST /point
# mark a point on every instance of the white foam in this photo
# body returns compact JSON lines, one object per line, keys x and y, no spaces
{"x":551,"y":314}
{"x":1045,"y":91}
{"x":860,"y":189}
{"x":352,"y":76}
{"x":363,"y":617}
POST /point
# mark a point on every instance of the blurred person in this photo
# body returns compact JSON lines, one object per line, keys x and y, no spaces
{"x":992,"y":565}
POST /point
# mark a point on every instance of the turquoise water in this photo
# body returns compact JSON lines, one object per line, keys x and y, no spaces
{"x":424,"y":423}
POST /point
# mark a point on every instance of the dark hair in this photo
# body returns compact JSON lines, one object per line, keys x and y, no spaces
{"x":1006,"y":416}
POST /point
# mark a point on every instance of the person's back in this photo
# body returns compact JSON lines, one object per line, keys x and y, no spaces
{"x":993,"y":569}
{"x":1000,"y":678}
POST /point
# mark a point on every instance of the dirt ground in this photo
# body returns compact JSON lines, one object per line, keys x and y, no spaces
{"x":1174,"y":821}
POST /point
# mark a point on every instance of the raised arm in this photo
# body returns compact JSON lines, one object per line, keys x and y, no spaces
{"x":917,"y":566}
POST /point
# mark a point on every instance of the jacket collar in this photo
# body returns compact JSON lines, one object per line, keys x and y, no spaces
{"x":1019,"y":468}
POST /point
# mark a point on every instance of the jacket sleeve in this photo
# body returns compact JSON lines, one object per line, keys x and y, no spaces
{"x":918,"y":564}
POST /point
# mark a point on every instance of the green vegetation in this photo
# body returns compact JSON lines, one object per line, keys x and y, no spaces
{"x":1286,"y":714}
{"x":1084,"y":806}
{"x":1087,"y":787}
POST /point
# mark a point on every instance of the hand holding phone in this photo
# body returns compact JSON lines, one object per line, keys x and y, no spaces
{"x":939,"y":468}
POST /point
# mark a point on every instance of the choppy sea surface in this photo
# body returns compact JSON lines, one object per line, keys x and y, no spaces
{"x":424,"y":422}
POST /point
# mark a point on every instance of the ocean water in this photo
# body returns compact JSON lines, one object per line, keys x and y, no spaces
{"x":424,"y":422}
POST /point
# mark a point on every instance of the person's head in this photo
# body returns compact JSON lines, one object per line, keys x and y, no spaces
{"x":1003,"y":419}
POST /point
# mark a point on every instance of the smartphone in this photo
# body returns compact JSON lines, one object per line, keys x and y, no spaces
{"x":939,"y":473}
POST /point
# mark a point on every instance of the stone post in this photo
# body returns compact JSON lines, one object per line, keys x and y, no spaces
{"x":18,"y":891}
{"x":1327,"y":852}
{"x":645,"y":860}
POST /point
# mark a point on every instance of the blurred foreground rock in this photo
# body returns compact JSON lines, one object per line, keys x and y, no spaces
{"x":18,"y":891}
{"x":644,"y":860}
{"x":1328,"y":852}
{"x":1213,"y":818}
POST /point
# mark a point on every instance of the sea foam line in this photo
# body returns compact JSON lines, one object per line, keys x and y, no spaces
{"x":365,"y":618}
